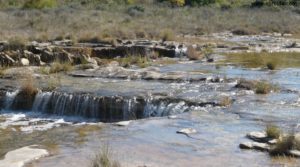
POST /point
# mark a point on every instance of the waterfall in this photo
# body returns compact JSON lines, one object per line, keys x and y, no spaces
{"x":9,"y":99}
{"x":104,"y":108}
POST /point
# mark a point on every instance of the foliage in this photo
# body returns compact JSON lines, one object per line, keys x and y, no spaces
{"x":273,"y":131}
{"x":39,"y":4}
{"x":263,"y":87}
{"x":178,"y":2}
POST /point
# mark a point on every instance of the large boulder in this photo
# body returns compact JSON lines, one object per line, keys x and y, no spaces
{"x":24,"y":62}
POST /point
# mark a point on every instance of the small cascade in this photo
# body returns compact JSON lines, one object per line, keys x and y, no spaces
{"x":103,"y":108}
{"x":9,"y":99}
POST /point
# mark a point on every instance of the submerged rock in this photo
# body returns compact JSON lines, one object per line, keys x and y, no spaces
{"x":244,"y":84}
{"x":258,"y":136}
{"x":123,"y":123}
{"x":187,"y":131}
{"x":255,"y":145}
{"x":19,"y":157}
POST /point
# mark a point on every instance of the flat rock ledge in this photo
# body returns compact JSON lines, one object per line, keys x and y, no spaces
{"x":255,"y":145}
{"x":21,"y":156}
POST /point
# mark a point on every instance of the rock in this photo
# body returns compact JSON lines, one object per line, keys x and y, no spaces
{"x":244,"y":84}
{"x":24,"y":99}
{"x":151,"y":75}
{"x":255,"y":145}
{"x":123,"y":123}
{"x":22,"y":156}
{"x":294,"y":153}
{"x":5,"y":60}
{"x":272,"y":142}
{"x":65,"y":42}
{"x":162,"y":51}
{"x":292,"y":45}
{"x":258,"y":136}
{"x":113,"y":64}
{"x":172,"y":116}
{"x":33,"y":58}
{"x":246,"y":145}
{"x":63,"y":56}
{"x":187,"y":131}
{"x":24,"y":62}
{"x":240,"y":48}
{"x":47,"y":56}
{"x":87,"y":66}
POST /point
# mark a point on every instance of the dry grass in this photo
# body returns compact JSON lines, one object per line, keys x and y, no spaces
{"x":263,"y":87}
{"x":140,"y":61}
{"x":225,"y":101}
{"x":155,"y":22}
{"x":105,"y":158}
{"x":273,"y":131}
{"x":285,"y":144}
{"x":167,"y":35}
{"x":28,"y":87}
{"x":57,"y":67}
{"x":192,"y":54}
{"x":264,"y":59}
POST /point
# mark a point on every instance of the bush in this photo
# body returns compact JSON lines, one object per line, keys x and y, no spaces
{"x":140,"y":61}
{"x":16,"y":44}
{"x":225,"y":101}
{"x":273,"y":131}
{"x":167,"y":35}
{"x":192,"y":53}
{"x":39,"y":4}
{"x":284,"y":145}
{"x":271,"y":65}
{"x":60,"y":67}
{"x":263,"y":87}
{"x":260,"y":3}
{"x":104,"y":159}
{"x":178,"y":2}
{"x":200,"y":2}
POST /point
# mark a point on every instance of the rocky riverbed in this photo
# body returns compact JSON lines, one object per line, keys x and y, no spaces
{"x":171,"y":109}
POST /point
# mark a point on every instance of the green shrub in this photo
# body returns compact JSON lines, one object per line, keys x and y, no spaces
{"x":178,"y":2}
{"x":39,"y":4}
{"x":260,"y":3}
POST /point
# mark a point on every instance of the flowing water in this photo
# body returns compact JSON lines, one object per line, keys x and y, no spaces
{"x":67,"y":121}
